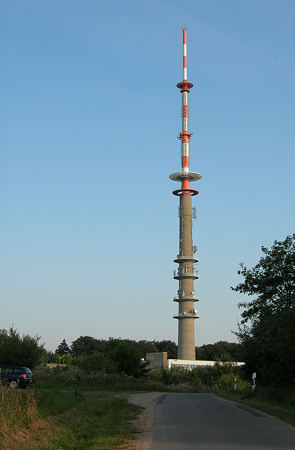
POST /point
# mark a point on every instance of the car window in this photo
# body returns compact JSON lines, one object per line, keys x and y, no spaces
{"x":28,"y":371}
{"x":17,"y":370}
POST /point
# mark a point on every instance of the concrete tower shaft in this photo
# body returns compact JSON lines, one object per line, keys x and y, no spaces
{"x":186,"y":273}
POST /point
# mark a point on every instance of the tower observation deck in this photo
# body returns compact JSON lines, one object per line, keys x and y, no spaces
{"x":186,"y":273}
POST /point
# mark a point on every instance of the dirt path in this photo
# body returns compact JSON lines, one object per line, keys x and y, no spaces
{"x":144,"y":423}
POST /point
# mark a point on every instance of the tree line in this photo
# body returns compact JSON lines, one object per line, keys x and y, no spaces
{"x":92,"y":354}
{"x":86,"y":345}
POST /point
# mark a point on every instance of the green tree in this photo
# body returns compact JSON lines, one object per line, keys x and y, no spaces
{"x":63,"y":348}
{"x":145,"y":347}
{"x":167,"y":346}
{"x":21,"y":351}
{"x":271,"y":281}
{"x":267,"y":330}
{"x":87,"y":345}
{"x":97,"y":362}
{"x":127,"y":360}
{"x":268,"y":347}
{"x":221,"y":350}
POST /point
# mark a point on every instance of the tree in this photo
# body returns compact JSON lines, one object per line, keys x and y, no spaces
{"x":97,"y":362}
{"x":271,"y":281}
{"x":86,"y":345}
{"x":268,"y":348}
{"x":127,"y":360}
{"x":20,"y":351}
{"x":268,"y":340}
{"x":63,"y":348}
{"x":167,"y":346}
{"x":145,"y":347}
{"x":221,"y":350}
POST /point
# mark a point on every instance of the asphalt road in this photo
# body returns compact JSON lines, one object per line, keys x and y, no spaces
{"x":206,"y":422}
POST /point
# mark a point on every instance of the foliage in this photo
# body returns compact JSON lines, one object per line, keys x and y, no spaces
{"x":121,"y":355}
{"x":62,"y":359}
{"x":87,"y":345}
{"x":222,"y":351}
{"x":268,"y":341}
{"x":167,"y":346}
{"x":145,"y":347}
{"x":271,"y":281}
{"x":48,"y":356}
{"x":63,"y":348}
{"x":76,"y":378}
{"x":21,"y":351}
{"x":269,"y":348}
{"x":211,"y":378}
{"x":98,"y":362}
{"x":127,"y":360}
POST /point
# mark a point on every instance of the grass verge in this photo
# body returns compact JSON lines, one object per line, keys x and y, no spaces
{"x":266,"y":401}
{"x":55,"y":418}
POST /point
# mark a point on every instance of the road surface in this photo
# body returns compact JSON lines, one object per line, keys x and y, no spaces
{"x":206,"y":422}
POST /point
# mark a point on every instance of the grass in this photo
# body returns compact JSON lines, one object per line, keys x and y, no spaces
{"x":276,"y":403}
{"x":64,"y":418}
{"x":100,"y":421}
{"x":16,"y":407}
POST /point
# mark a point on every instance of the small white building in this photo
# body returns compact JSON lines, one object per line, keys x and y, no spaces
{"x":187,"y":364}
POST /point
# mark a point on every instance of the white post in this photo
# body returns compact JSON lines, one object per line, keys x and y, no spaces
{"x":253,"y":381}
{"x":235,"y":384}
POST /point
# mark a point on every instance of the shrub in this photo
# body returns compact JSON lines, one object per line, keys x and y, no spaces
{"x":20,"y":351}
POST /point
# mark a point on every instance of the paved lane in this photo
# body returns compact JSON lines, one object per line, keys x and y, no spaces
{"x":206,"y":422}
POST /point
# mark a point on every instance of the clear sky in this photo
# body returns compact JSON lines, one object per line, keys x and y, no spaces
{"x":90,"y":115}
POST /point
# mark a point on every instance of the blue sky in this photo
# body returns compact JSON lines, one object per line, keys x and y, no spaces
{"x":89,"y":121}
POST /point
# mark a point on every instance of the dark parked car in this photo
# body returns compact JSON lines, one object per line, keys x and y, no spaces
{"x":15,"y":376}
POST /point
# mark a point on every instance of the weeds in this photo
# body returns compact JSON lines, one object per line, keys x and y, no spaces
{"x":201,"y":379}
{"x":18,"y":409}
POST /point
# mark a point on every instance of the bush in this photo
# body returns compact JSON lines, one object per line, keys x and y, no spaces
{"x":97,"y":362}
{"x":217,"y":377}
{"x":127,"y":360}
{"x":20,"y":351}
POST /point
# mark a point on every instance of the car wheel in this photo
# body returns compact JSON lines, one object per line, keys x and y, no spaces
{"x":13,"y":384}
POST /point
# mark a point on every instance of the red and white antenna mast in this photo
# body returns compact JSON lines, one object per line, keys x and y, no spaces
{"x":186,"y":273}
{"x":185,"y":176}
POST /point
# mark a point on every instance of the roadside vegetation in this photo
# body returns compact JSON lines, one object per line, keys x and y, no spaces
{"x":267,"y":331}
{"x":60,"y":417}
{"x":278,"y":403}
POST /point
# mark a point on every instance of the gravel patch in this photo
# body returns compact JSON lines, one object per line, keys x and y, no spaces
{"x":144,"y":422}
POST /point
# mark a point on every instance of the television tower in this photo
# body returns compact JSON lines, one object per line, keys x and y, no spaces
{"x":186,"y":273}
